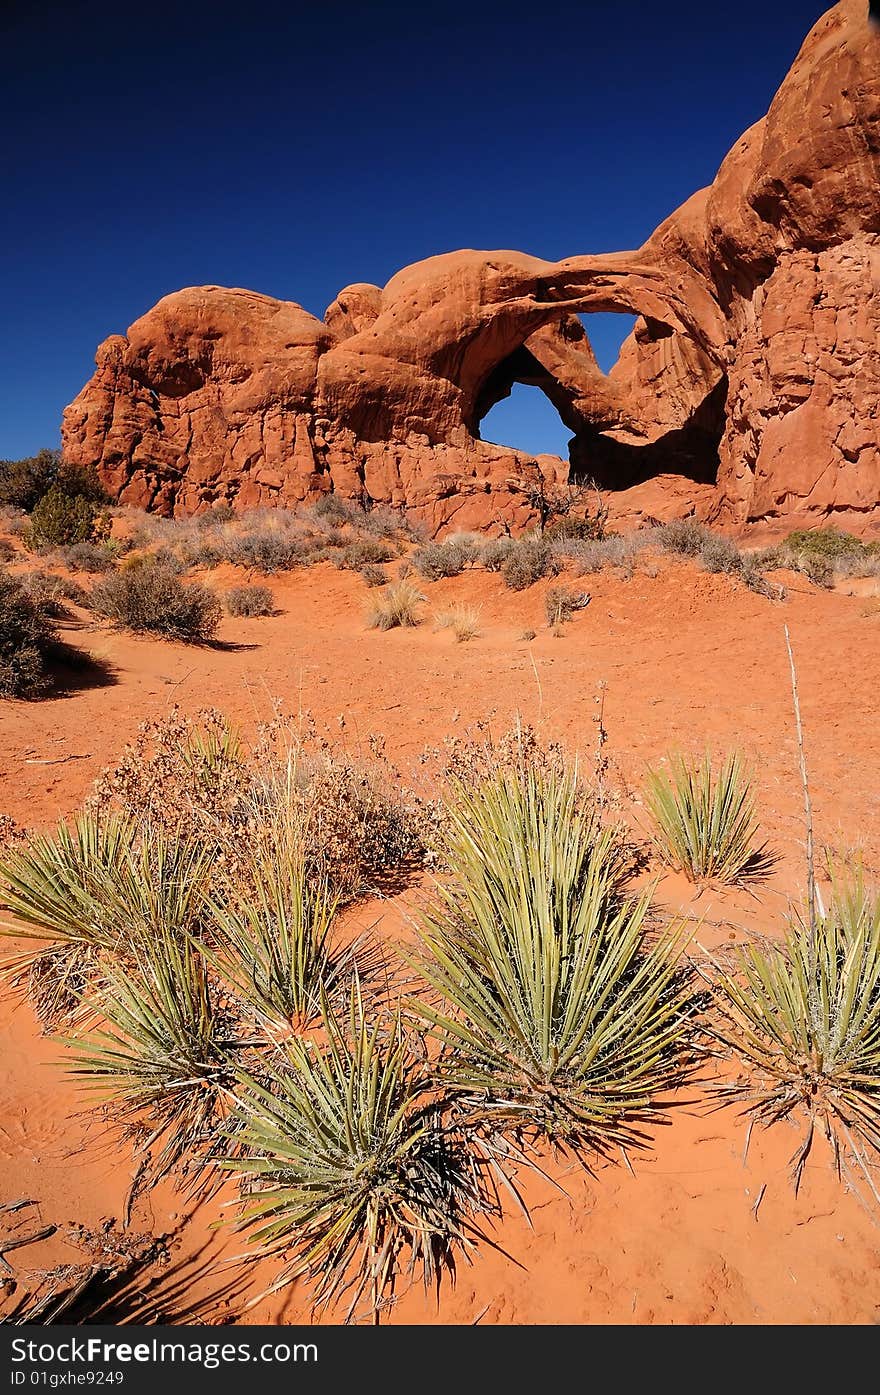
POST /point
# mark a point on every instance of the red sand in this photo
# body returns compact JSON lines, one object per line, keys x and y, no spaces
{"x":689,"y":660}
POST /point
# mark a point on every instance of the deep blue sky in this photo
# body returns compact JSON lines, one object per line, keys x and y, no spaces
{"x":294,"y":149}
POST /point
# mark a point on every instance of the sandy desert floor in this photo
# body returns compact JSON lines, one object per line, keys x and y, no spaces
{"x":689,"y":660}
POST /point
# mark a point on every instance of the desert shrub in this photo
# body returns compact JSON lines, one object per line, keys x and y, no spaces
{"x":7,"y":551}
{"x":185,"y":773}
{"x":90,"y":557}
{"x":719,"y":554}
{"x":150,"y":598}
{"x":333,"y":509}
{"x":271,"y":940}
{"x":215,"y":516}
{"x":684,"y":537}
{"x":51,"y":593}
{"x":350,"y":1168}
{"x":364,"y":552}
{"x":494,"y":554}
{"x":462,"y":620}
{"x":593,"y":555}
{"x":556,"y":1020}
{"x":561,"y":603}
{"x":24,"y":482}
{"x":830,"y":544}
{"x":802,"y":1020}
{"x":448,"y":558}
{"x":705,"y":823}
{"x":266,"y":550}
{"x":436,"y":560}
{"x":250,"y":600}
{"x":59,"y":519}
{"x":27,"y":638}
{"x":529,"y":560}
{"x":397,"y":605}
{"x":373,"y":576}
{"x":574,"y":528}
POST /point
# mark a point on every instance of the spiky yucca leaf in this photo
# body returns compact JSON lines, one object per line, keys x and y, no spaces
{"x":160,"y":1051}
{"x":271,"y":929}
{"x":350,"y":1169}
{"x":705,"y":821}
{"x":55,"y":885}
{"x":802,"y":1018}
{"x":100,"y":885}
{"x":557,"y":1019}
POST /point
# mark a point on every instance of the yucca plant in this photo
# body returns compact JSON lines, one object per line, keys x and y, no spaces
{"x":55,"y":887}
{"x":802,"y":1019}
{"x":705,"y":820}
{"x":556,"y":1019}
{"x":271,"y":932}
{"x":96,"y":885}
{"x":161,"y":1052}
{"x":351,"y":1171}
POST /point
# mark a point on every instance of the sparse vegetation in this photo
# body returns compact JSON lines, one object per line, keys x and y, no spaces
{"x":150,"y":598}
{"x":354,"y":556}
{"x":556,"y":1020}
{"x":51,"y":593}
{"x":250,"y":600}
{"x":373,"y":576}
{"x":561,"y":603}
{"x":705,"y":824}
{"x":463,"y":620}
{"x":801,"y":1018}
{"x":27,"y":638}
{"x":352,"y":1171}
{"x":436,"y":560}
{"x":396,"y":605}
{"x":526,"y":562}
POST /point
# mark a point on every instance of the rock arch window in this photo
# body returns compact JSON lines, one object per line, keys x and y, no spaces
{"x":526,"y":420}
{"x":659,"y":410}
{"x":606,"y":330}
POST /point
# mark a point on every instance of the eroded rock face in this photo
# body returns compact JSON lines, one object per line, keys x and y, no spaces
{"x":751,"y":380}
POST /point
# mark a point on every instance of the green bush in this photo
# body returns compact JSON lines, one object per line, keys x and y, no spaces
{"x":829,"y":544}
{"x":26,"y":639}
{"x":151,"y":598}
{"x":24,"y":482}
{"x":60,"y":519}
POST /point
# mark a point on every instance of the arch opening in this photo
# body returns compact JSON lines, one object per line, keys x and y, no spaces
{"x":657,"y":410}
{"x":606,"y":331}
{"x":525,"y":419}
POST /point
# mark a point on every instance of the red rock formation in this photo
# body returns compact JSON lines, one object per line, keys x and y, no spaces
{"x":752,"y":375}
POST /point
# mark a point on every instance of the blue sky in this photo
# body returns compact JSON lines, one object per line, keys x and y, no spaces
{"x":296,"y":148}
